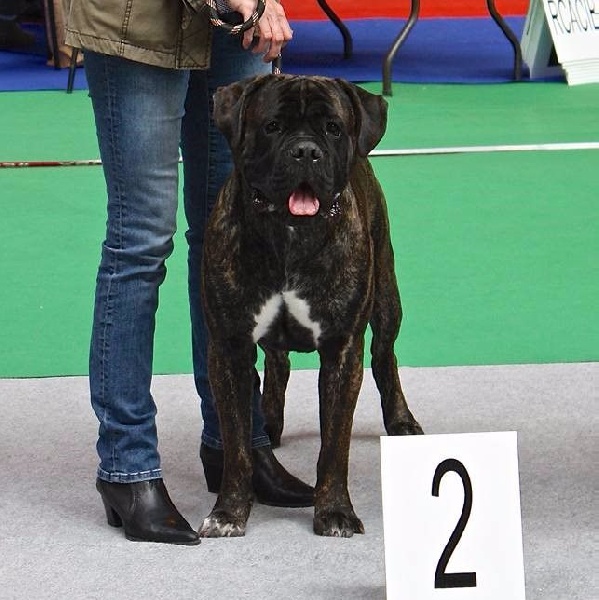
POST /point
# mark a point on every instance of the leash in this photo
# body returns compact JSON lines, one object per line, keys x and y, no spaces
{"x":241,"y":27}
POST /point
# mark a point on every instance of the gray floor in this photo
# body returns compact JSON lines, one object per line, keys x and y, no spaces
{"x":55,"y":543}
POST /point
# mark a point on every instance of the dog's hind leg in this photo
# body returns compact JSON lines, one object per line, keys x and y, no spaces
{"x":385,"y":322}
{"x":276,"y":376}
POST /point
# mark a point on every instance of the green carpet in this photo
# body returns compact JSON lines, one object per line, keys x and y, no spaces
{"x":59,"y":126}
{"x":497,"y":254}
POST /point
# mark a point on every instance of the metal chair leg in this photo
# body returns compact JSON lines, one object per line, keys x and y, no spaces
{"x":72,"y":70}
{"x":348,"y":44}
{"x":509,"y":34}
{"x":399,"y":40}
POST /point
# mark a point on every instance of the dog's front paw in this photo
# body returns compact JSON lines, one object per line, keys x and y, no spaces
{"x":405,"y":428}
{"x":337,"y":523}
{"x":221,"y":524}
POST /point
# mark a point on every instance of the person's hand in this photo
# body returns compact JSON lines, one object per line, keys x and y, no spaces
{"x":271,"y":32}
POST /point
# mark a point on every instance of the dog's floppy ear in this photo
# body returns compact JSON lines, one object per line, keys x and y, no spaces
{"x":229,"y":106}
{"x":371,"y":116}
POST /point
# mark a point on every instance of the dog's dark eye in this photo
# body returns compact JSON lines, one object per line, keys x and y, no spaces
{"x":272,"y":127}
{"x":333,"y":129}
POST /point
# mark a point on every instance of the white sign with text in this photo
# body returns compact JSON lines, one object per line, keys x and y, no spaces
{"x":574,"y":27}
{"x":452,"y":522}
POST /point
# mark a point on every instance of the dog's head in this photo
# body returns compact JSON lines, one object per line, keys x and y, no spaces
{"x":295,"y":139}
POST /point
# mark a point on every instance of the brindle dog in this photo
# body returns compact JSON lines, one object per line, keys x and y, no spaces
{"x":298,"y":257}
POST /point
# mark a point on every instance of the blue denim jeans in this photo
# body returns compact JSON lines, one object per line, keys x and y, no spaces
{"x":143,"y":115}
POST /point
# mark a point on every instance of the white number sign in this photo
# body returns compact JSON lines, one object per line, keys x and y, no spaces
{"x":452,"y":523}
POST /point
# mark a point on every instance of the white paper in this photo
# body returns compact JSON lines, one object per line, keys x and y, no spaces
{"x":418,"y":525}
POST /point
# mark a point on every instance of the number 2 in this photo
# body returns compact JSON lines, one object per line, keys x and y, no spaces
{"x":454,"y":580}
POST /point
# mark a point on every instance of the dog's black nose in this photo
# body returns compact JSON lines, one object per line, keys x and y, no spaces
{"x":306,"y":151}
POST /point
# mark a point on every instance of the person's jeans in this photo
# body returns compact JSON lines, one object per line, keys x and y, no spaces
{"x":143,"y":113}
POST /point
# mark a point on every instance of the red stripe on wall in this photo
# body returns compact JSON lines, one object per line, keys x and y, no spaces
{"x":353,"y":9}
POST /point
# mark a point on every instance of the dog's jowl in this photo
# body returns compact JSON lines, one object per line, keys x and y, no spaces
{"x":298,"y":257}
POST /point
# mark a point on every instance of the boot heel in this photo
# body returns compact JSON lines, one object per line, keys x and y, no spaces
{"x":113,"y":518}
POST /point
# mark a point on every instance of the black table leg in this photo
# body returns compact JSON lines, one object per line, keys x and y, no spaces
{"x":347,"y":39}
{"x":399,"y":40}
{"x":509,"y":34}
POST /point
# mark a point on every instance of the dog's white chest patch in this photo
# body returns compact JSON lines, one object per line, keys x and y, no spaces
{"x":297,"y":307}
{"x":268,"y":313}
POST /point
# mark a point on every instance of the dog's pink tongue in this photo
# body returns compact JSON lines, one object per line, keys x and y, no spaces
{"x":302,"y":203}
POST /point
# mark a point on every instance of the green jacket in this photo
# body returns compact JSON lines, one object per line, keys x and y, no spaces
{"x":174,"y":34}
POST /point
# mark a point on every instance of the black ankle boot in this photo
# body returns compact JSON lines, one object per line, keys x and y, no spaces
{"x":146,"y":512}
{"x":271,"y":482}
